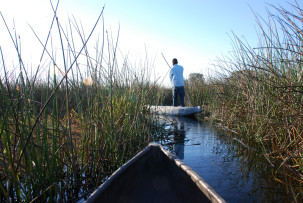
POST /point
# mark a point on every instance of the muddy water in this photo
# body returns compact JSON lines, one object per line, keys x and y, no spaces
{"x":235,"y":172}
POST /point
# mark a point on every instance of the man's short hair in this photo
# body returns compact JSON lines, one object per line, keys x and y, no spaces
{"x":175,"y":61}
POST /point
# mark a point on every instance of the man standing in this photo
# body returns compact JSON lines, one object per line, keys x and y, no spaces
{"x":177,"y":80}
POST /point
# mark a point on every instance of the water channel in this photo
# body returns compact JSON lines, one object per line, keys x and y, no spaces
{"x":238,"y":174}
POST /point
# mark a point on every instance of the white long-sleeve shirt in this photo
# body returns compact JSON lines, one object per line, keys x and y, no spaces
{"x":176,"y":76}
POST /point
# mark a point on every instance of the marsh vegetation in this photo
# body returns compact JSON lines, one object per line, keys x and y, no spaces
{"x":63,"y":135}
{"x":258,"y":95}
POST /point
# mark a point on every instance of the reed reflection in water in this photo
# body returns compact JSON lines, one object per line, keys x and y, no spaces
{"x":236,"y":173}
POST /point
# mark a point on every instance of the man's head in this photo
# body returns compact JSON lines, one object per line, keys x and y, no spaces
{"x":175,"y":61}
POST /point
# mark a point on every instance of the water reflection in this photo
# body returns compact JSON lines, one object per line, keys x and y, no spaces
{"x":232,"y":170}
{"x":179,"y":139}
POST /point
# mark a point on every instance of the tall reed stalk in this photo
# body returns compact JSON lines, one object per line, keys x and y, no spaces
{"x":260,"y":98}
{"x":62,"y":136}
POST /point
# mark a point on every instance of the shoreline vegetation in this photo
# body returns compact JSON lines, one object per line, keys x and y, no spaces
{"x":62,"y":136}
{"x":257,"y":97}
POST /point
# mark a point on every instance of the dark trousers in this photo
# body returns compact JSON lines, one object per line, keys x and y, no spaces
{"x":178,"y":91}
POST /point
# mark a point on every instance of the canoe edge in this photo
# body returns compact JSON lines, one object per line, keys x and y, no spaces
{"x":212,"y":195}
{"x":175,"y":111}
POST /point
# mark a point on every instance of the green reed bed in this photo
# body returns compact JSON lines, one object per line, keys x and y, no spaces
{"x":63,"y":135}
{"x":197,"y":90}
{"x":260,"y":98}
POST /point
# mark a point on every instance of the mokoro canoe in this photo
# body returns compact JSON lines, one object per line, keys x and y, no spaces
{"x":155,"y":175}
{"x":176,"y":110}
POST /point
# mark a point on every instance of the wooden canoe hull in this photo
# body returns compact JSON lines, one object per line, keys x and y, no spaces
{"x":155,"y":175}
{"x":176,"y":110}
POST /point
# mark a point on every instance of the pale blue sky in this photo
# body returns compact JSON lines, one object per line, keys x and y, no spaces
{"x":194,"y":31}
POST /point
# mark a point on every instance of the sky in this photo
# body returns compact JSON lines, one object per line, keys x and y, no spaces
{"x":196,"y":32}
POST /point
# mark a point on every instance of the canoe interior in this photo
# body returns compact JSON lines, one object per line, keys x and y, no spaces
{"x":151,"y":176}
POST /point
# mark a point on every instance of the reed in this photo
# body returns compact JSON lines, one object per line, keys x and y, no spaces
{"x":63,"y":135}
{"x":259,"y":95}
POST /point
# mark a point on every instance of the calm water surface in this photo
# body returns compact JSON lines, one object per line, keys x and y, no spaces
{"x":225,"y":165}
